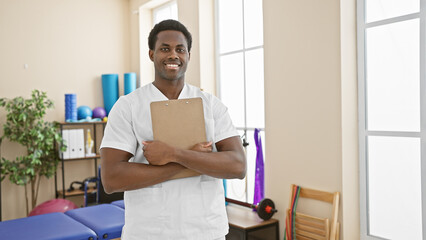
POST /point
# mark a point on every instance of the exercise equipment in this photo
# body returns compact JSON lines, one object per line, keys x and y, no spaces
{"x":129,"y":82}
{"x":99,"y":112}
{"x":84,"y":112}
{"x":259,"y":182}
{"x":110,"y":90}
{"x":81,"y":184}
{"x":70,"y":107}
{"x":265,"y":209}
{"x":54,"y":205}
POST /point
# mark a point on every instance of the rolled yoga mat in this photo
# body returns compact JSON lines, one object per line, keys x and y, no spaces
{"x":70,"y":107}
{"x":110,"y":90}
{"x":129,"y":82}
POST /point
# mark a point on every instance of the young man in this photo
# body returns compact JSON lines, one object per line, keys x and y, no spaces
{"x":157,"y":207}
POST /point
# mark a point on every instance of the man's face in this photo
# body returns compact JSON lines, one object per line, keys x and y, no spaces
{"x":170,"y":55}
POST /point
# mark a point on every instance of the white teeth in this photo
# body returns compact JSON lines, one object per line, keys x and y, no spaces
{"x":172,"y":65}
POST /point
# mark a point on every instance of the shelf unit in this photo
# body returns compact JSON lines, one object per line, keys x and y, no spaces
{"x":95,"y":127}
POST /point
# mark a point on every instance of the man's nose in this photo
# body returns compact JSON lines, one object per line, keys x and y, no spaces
{"x":173,"y":54}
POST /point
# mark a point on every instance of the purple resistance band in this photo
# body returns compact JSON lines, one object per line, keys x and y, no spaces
{"x":259,"y":183}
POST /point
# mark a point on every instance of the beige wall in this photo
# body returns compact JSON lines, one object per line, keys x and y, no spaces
{"x":310,"y":80}
{"x":310,"y":89}
{"x":67,"y":46}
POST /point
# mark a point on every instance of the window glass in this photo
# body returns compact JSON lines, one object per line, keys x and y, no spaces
{"x":390,"y":134}
{"x":382,"y":9}
{"x":393,"y":76}
{"x":255,"y":88}
{"x":253,"y":23}
{"x":394,"y":192}
{"x":230,"y":25}
{"x":232,"y":86}
{"x":241,"y":77}
{"x":164,"y":12}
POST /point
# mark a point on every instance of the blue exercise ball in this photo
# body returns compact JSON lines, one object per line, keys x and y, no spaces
{"x":84,"y":112}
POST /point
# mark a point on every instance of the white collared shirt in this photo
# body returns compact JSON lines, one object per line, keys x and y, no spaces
{"x":189,"y":208}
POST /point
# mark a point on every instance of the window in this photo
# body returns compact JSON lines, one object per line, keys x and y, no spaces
{"x":391,"y":62}
{"x":240,"y":79}
{"x":164,"y":12}
{"x":151,"y":13}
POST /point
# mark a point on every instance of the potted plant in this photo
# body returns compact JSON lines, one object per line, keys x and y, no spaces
{"x":25,"y":125}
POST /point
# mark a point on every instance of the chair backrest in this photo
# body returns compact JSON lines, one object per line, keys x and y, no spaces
{"x":310,"y":227}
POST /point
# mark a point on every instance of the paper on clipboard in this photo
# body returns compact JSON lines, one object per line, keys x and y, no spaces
{"x":179,"y":123}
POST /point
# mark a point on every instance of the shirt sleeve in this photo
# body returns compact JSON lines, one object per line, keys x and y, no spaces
{"x":222,"y":121}
{"x":119,"y":132}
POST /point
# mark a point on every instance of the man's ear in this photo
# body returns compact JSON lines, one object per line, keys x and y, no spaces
{"x":189,"y":56}
{"x":151,"y":54}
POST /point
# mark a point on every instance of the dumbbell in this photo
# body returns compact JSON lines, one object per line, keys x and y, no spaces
{"x":265,"y":209}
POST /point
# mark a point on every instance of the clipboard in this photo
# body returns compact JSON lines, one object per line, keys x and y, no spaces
{"x":179,"y":123}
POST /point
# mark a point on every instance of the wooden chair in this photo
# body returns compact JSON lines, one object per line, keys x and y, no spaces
{"x":314,"y":228}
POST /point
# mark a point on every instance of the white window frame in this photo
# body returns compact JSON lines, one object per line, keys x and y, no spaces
{"x":162,"y":7}
{"x":364,"y":133}
{"x":244,"y":129}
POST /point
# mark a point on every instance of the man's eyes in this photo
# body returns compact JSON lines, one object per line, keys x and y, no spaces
{"x":179,"y":50}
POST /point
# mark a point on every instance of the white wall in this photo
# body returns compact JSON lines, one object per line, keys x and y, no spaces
{"x":349,"y":98}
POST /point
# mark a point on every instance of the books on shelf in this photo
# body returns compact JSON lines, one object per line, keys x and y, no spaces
{"x":74,"y":139}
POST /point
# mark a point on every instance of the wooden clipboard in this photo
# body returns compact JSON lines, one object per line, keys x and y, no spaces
{"x":179,"y":123}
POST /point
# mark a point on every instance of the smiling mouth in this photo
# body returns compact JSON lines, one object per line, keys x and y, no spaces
{"x":172,"y":66}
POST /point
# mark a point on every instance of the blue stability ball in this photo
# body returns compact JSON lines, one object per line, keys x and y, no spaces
{"x":84,"y":112}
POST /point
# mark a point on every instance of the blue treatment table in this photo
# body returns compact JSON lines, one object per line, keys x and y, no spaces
{"x":106,"y":220}
{"x":119,"y":203}
{"x":51,"y":226}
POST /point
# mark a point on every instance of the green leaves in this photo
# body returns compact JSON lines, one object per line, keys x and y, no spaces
{"x":25,"y":125}
{"x":17,"y":170}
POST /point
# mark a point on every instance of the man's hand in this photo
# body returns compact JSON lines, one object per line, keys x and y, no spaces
{"x":158,"y":153}
{"x":203,"y":147}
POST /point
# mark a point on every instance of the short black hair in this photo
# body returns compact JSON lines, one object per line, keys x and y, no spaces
{"x":165,"y":25}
